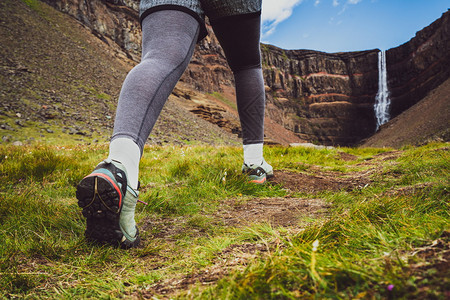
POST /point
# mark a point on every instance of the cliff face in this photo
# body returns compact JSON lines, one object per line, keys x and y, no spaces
{"x":420,"y":65}
{"x":327,"y":98}
{"x":322,"y":97}
{"x":116,"y":22}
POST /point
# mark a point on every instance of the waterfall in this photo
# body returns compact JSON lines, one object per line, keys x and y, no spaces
{"x":382,"y":100}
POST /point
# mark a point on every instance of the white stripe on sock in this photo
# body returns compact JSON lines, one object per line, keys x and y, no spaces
{"x":128,"y":153}
{"x":253,"y":154}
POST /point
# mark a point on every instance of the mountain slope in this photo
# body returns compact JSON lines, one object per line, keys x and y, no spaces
{"x":426,"y":121}
{"x":60,"y":83}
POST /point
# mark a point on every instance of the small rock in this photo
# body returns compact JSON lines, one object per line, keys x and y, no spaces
{"x":72,"y":130}
{"x":49,"y":130}
{"x":49,"y":113}
{"x":17,"y":143}
{"x":6,"y":127}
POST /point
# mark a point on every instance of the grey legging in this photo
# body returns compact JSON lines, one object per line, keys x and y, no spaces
{"x":168,"y":42}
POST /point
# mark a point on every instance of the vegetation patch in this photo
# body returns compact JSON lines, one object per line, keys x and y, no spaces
{"x":224,"y":100}
{"x":333,"y":223}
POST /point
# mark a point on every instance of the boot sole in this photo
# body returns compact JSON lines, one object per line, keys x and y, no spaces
{"x":260,"y":180}
{"x":101,"y":200}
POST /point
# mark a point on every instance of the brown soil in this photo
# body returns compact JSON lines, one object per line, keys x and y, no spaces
{"x":290,"y":213}
{"x":232,"y":258}
{"x":285,"y":212}
{"x":279,"y":212}
{"x":321,"y":180}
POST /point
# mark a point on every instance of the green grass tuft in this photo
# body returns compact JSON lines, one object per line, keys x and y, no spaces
{"x":369,"y":244}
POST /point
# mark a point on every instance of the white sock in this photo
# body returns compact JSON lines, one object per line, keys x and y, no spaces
{"x":253,"y":154}
{"x":129,"y":154}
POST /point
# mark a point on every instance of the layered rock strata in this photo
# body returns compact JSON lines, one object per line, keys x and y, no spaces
{"x":327,"y":98}
{"x":420,"y":65}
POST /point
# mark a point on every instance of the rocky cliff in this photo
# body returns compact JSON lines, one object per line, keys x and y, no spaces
{"x":116,"y":22}
{"x":420,"y":65}
{"x":321,"y":97}
{"x":329,"y":98}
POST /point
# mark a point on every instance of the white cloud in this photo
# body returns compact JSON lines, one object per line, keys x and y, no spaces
{"x":317,"y":2}
{"x":274,"y":12}
{"x":346,"y":4}
{"x":335,"y":3}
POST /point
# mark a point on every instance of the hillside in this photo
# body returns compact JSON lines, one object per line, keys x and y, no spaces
{"x":59,"y":84}
{"x":320,"y":97}
{"x":66,"y":91}
{"x":428,"y":120}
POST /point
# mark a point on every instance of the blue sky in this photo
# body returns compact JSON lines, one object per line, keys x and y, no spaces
{"x":346,"y":25}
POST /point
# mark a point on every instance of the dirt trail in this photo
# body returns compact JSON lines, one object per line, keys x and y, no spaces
{"x":290,"y":213}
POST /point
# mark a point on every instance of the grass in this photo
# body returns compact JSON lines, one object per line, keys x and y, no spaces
{"x":371,"y":244}
{"x":225,"y":100}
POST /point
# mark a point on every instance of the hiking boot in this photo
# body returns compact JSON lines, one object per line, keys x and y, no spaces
{"x":258,"y":173}
{"x":108,"y":204}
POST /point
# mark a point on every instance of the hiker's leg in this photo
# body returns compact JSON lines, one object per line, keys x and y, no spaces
{"x":239,"y":37}
{"x":168,"y":41}
{"x":108,"y":195}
